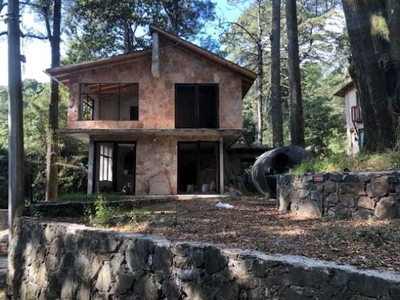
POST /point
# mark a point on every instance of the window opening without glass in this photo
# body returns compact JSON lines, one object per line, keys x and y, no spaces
{"x":196,"y":106}
{"x":109,"y":101}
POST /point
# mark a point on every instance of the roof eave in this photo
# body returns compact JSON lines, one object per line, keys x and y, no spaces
{"x":62,"y":74}
{"x":342,"y":92}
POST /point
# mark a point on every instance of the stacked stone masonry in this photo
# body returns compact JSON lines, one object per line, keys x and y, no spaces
{"x":66,"y":261}
{"x":341,"y":195}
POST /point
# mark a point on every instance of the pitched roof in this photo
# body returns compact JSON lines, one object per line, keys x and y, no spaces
{"x":61,"y":74}
{"x":342,"y":92}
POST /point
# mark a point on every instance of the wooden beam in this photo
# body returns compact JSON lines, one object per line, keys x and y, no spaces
{"x":155,"y":57}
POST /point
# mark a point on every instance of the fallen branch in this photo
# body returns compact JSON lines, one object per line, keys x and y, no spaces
{"x":69,"y":166}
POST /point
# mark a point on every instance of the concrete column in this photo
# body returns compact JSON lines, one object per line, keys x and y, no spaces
{"x":90,"y":167}
{"x":221,"y":165}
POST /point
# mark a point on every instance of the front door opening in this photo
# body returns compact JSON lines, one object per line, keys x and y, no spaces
{"x":126,"y":168}
{"x":198,"y":167}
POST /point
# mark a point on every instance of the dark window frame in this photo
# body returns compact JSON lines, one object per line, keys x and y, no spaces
{"x":197,"y":105}
{"x":106,"y":162}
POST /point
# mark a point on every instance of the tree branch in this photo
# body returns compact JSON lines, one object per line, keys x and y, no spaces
{"x":245,"y":30}
{"x":35,"y":36}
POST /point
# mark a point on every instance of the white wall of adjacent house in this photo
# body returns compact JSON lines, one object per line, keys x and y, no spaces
{"x":352,"y":136}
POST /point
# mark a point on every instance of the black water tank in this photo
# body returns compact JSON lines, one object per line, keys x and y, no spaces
{"x":272,"y":163}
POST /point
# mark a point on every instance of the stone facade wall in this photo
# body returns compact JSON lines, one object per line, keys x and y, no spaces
{"x":157,"y":95}
{"x":343,"y":195}
{"x":66,"y":261}
{"x":158,"y":153}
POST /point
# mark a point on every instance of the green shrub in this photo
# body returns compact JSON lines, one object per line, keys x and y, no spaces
{"x":372,"y":162}
{"x":102,"y":212}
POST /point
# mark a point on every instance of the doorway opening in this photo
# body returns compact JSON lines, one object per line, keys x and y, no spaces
{"x":198,"y":170}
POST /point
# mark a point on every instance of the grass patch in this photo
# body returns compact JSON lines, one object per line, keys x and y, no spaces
{"x":372,"y":162}
{"x":140,"y":215}
{"x":105,"y":215}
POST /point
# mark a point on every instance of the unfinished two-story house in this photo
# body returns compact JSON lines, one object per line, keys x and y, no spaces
{"x":157,"y":120}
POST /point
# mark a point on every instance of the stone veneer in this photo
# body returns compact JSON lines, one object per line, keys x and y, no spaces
{"x":67,"y":261}
{"x":344,"y":195}
{"x":158,"y":153}
{"x":157,"y":95}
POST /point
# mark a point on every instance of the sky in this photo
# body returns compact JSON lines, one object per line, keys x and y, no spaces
{"x":37,"y":53}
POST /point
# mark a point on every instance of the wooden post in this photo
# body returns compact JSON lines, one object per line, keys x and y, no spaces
{"x":221,"y":165}
{"x":16,"y":167}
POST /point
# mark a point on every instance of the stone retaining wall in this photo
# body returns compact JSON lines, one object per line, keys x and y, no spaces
{"x":343,"y":195}
{"x":78,"y":208}
{"x":66,"y":261}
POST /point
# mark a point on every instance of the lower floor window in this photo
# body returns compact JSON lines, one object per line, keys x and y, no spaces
{"x":106,"y":162}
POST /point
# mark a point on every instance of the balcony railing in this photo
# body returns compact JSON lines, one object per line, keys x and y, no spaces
{"x":356,"y":116}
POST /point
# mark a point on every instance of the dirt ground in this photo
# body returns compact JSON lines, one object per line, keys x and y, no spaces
{"x":254,"y":223}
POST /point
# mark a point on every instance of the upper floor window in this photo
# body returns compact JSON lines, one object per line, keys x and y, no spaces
{"x":109,"y":101}
{"x":196,"y":106}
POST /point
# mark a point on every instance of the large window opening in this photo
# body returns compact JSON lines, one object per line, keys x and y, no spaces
{"x":196,"y":106}
{"x":115,"y":167}
{"x":109,"y":101}
{"x":106,"y":162}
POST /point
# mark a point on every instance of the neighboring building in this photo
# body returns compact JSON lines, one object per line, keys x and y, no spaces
{"x":354,"y":123}
{"x":159,"y":119}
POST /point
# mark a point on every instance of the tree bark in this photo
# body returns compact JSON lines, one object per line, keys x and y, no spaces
{"x":295,"y":97}
{"x":16,"y":156}
{"x":276,"y":104}
{"x":52,"y":141}
{"x":259,"y":81}
{"x":373,"y":71}
{"x":393,"y":14}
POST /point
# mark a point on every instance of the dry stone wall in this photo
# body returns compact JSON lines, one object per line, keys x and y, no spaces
{"x":66,"y":261}
{"x":342,"y":195}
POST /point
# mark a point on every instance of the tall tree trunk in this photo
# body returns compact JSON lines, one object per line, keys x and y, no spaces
{"x":276,"y":104}
{"x":295,"y":97}
{"x":393,"y":14}
{"x":16,"y":157}
{"x":373,"y":71}
{"x":259,"y":81}
{"x":52,"y":141}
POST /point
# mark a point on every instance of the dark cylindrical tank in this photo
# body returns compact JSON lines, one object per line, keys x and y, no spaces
{"x":273,"y":162}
